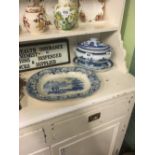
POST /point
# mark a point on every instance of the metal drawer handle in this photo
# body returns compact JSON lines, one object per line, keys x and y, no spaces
{"x":94,"y":117}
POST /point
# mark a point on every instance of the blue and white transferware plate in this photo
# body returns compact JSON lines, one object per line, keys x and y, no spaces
{"x":93,"y":49}
{"x":103,"y":64}
{"x":62,"y":83}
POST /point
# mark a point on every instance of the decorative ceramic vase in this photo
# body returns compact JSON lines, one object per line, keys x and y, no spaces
{"x":66,"y":14}
{"x":34,"y":19}
{"x":91,"y":10}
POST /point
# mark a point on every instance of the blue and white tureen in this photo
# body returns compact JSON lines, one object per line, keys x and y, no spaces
{"x":94,"y":55}
{"x":93,"y":49}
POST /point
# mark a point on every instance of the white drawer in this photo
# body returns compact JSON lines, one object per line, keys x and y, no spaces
{"x":60,"y":130}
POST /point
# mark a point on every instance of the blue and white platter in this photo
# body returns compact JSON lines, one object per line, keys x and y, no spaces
{"x":62,"y":83}
{"x":104,"y":64}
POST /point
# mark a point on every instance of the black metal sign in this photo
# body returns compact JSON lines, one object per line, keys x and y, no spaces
{"x":45,"y":54}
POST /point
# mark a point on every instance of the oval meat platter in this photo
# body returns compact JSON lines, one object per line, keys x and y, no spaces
{"x":62,"y":83}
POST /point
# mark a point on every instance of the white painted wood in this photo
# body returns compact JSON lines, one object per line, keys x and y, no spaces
{"x":62,"y":127}
{"x":68,"y":128}
{"x":121,"y":134}
{"x":82,"y":29}
{"x":98,"y":141}
{"x":32,"y":141}
{"x":113,"y":83}
{"x":114,"y":10}
{"x":107,"y":30}
{"x":112,"y":21}
{"x":44,"y":151}
{"x":98,"y":136}
{"x":119,"y":53}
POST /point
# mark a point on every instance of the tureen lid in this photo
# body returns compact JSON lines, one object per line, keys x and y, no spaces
{"x":93,"y":44}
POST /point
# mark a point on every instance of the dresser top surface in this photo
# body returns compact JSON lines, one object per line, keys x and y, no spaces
{"x":113,"y":84}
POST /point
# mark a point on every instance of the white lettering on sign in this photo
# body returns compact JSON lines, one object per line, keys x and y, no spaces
{"x":56,"y":55}
{"x":24,"y":60}
{"x":43,"y":55}
{"x":25,"y":66}
{"x":45,"y":63}
{"x":47,"y":48}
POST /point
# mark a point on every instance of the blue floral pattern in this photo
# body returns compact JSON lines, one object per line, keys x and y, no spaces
{"x":63,"y":86}
{"x":93,"y":65}
{"x":93,"y":44}
{"x":59,"y":87}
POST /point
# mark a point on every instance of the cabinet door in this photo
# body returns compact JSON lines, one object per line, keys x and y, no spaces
{"x":99,"y":141}
{"x":32,"y":141}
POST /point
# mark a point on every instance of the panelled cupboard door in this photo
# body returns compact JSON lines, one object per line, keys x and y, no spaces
{"x":44,"y":151}
{"x":99,"y":141}
{"x":32,"y":141}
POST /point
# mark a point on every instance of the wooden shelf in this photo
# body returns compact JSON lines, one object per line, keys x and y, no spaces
{"x":82,"y":29}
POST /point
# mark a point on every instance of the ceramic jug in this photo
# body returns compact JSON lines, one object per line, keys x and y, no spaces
{"x":35,"y":19}
{"x":66,"y":14}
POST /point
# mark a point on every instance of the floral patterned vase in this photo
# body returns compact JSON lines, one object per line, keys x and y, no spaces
{"x":34,"y":19}
{"x":66,"y":14}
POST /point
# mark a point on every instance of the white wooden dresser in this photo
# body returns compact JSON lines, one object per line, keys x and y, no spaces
{"x":94,"y":125}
